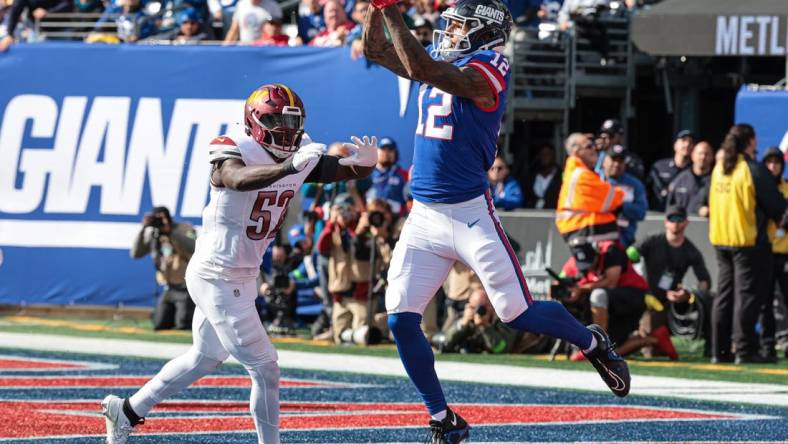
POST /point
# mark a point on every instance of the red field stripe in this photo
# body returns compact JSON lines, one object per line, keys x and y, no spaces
{"x":17,"y":364}
{"x":137,"y":381}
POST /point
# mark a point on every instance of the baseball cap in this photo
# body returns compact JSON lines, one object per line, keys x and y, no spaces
{"x":296,"y":234}
{"x":611,"y":126}
{"x":584,"y":255}
{"x":676,"y":213}
{"x":684,"y":133}
{"x":617,"y":151}
{"x":188,"y":15}
{"x":387,"y":143}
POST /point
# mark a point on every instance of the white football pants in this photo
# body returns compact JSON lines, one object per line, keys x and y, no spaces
{"x":225,"y":323}
{"x":437,"y":235}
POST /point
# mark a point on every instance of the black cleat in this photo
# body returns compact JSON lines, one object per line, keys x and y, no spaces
{"x":611,"y":367}
{"x":452,"y":430}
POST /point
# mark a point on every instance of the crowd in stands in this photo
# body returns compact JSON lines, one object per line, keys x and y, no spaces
{"x":323,"y":23}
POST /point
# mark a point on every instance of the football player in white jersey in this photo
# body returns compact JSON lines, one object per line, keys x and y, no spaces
{"x":255,"y":175}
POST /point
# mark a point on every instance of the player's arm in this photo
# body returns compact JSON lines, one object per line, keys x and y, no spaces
{"x":462,"y":82}
{"x":376,"y":47}
{"x":236,"y":175}
{"x":358,"y":165}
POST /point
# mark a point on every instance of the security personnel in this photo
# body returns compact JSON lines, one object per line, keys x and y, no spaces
{"x":635,"y":205}
{"x":665,"y":170}
{"x":743,"y":196}
{"x":689,"y":189}
{"x":586,"y":203}
{"x":775,"y":162}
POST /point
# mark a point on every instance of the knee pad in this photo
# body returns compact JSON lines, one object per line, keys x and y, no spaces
{"x":204,"y":363}
{"x":404,"y":324}
{"x":599,"y":298}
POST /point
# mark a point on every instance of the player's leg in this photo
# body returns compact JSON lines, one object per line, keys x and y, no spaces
{"x":239,"y":330}
{"x":416,"y":271}
{"x":484,"y":247}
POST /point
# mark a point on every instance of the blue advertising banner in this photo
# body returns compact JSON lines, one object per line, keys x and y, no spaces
{"x":92,"y":137}
{"x":766,"y":112}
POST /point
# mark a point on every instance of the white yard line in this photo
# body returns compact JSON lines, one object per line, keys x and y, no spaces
{"x":768,"y":394}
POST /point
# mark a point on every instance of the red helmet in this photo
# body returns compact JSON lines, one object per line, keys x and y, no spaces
{"x":274,"y":117}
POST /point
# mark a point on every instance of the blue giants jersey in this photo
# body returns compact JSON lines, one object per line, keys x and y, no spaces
{"x":455,"y":139}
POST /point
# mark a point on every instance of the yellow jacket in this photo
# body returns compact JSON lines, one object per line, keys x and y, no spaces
{"x":779,"y":243}
{"x":586,"y":205}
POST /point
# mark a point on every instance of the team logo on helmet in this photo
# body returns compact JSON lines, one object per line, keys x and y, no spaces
{"x":471,"y":26}
{"x":274,"y":117}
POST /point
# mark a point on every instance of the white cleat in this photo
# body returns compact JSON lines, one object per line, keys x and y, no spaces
{"x":118,"y":425}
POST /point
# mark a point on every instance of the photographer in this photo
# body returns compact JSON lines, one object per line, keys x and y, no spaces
{"x":479,"y":330}
{"x":348,"y":267}
{"x":607,"y":281}
{"x":171,"y":245}
{"x":279,"y":292}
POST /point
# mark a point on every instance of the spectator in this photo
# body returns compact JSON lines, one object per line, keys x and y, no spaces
{"x":606,"y":278}
{"x":310,"y":20}
{"x":279,"y":291}
{"x":223,"y":11}
{"x":337,"y":26}
{"x":304,"y":269}
{"x":389,"y":179}
{"x":423,"y":30}
{"x":354,"y":37}
{"x":743,"y":197}
{"x":505,"y":189}
{"x":688,"y":189}
{"x":272,"y":34}
{"x":667,"y":258}
{"x":775,"y":162}
{"x":582,"y":16}
{"x":37,"y":9}
{"x":544,"y":182}
{"x":586,"y":204}
{"x":248,"y":20}
{"x":188,"y":31}
{"x":348,"y":268}
{"x":664,"y":171}
{"x":459,"y":285}
{"x":612,"y":133}
{"x":171,"y":245}
{"x":633,"y":210}
{"x":134,"y":24}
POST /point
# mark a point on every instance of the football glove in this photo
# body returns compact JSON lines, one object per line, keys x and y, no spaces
{"x":382,"y":4}
{"x":306,"y":154}
{"x":363,"y":152}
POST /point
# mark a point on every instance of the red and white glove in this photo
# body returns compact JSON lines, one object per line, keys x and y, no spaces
{"x":383,"y":4}
{"x":363,"y":152}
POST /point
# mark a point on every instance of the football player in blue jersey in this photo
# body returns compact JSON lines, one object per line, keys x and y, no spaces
{"x":463,"y":77}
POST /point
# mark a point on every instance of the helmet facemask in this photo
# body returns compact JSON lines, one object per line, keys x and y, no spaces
{"x":441,"y":38}
{"x":280,"y":133}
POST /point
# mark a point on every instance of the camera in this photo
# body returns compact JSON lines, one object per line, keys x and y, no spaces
{"x":377,"y":219}
{"x":157,"y":221}
{"x":481,"y":310}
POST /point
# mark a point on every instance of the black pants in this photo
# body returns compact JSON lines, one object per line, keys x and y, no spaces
{"x":174,"y":310}
{"x":766,"y":318}
{"x":744,"y":279}
{"x":625,"y":308}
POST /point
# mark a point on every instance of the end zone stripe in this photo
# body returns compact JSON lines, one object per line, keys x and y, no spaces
{"x":509,"y":250}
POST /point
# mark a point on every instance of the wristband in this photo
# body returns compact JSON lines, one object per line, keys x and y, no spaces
{"x":289,"y":168}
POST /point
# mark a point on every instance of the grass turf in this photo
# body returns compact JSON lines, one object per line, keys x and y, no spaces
{"x":692,"y":364}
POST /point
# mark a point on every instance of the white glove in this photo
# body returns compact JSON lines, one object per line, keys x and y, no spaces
{"x":306,"y":154}
{"x":363,"y":152}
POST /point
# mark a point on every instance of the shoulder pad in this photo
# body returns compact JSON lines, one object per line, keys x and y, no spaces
{"x":222,"y":148}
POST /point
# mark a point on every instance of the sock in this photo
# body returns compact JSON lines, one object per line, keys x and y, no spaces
{"x":134,"y":419}
{"x":416,"y":355}
{"x":551,"y":318}
{"x":440,"y":416}
{"x":592,"y":346}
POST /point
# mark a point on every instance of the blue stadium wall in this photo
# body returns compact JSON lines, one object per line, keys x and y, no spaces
{"x":767,"y":112}
{"x":92,"y":137}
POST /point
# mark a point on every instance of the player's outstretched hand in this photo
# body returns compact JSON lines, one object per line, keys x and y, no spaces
{"x":363,"y":152}
{"x":308,"y":153}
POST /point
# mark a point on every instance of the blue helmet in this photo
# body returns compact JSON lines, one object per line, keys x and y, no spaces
{"x":486,"y":25}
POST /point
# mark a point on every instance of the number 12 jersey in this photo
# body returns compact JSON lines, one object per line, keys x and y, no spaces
{"x":455,"y":139}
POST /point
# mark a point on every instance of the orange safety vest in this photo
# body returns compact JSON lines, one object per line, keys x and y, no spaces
{"x":586,"y":205}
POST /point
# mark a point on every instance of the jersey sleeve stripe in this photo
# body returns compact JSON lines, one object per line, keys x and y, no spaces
{"x":492,"y":75}
{"x":492,"y":89}
{"x":218,"y":153}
